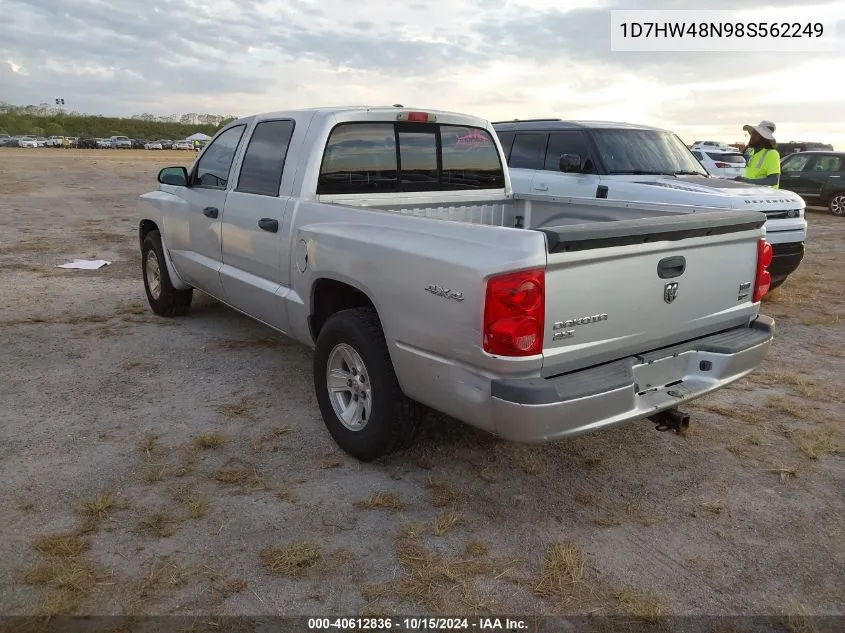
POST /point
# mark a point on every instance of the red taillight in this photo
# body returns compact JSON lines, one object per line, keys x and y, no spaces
{"x":514,"y":313}
{"x":418,"y":117}
{"x":723,"y":165}
{"x":763,"y":279}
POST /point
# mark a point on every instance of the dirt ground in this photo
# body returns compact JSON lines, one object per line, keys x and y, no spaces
{"x":154,"y":466}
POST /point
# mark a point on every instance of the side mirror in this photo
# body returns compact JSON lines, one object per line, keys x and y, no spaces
{"x":173,"y":176}
{"x":570,"y":163}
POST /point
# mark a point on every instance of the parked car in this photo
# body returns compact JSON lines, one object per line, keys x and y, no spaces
{"x":183,"y":145}
{"x":55,"y":141}
{"x":712,"y":146}
{"x":103,"y":143}
{"x":120,"y":142}
{"x":621,"y":161}
{"x":27,"y":141}
{"x":431,"y":283}
{"x":5,"y":140}
{"x":722,"y":164}
{"x":818,"y":177}
{"x":86,"y":141}
{"x":165,"y":143}
{"x":139,"y":143}
{"x":152,"y":145}
{"x":785,"y":149}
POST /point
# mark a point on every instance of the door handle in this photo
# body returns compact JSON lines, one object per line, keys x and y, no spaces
{"x":670,"y":267}
{"x":267,"y":224}
{"x":210,"y":212}
{"x":541,"y":187}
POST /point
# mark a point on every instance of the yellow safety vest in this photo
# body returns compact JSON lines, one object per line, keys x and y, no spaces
{"x":763,"y":163}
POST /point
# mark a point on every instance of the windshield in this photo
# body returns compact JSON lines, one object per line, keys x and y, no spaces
{"x":645,"y":152}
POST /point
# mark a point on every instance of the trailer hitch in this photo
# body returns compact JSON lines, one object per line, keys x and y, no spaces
{"x":671,"y":420}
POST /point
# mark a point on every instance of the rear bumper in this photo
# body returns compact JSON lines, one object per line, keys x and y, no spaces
{"x":540,"y":410}
{"x":786,"y":258}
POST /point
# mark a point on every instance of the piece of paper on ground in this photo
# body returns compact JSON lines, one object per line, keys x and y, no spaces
{"x":86,"y":264}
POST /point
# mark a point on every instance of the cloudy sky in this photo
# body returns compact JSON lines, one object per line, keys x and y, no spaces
{"x":500,"y":59}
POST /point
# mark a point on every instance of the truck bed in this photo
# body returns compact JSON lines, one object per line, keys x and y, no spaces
{"x":570,"y":223}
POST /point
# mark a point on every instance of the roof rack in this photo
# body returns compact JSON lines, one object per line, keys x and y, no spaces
{"x":525,"y":121}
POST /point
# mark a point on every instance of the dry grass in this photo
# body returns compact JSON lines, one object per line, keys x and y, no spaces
{"x":100,"y":509}
{"x":530,"y":464}
{"x":63,"y":545}
{"x":476,"y":549}
{"x":248,"y":478}
{"x":637,"y":516}
{"x":562,"y":568}
{"x":638,"y":605}
{"x":413,"y":530}
{"x":787,"y":405}
{"x":67,"y":574}
{"x":786,"y":472}
{"x":607,"y":521}
{"x":287,"y":494}
{"x":293,"y":560}
{"x":243,"y":408}
{"x":156,"y":473}
{"x":442,"y":493}
{"x":148,"y":444}
{"x":197,"y":507}
{"x":136,"y":308}
{"x":715,"y":507}
{"x":800,"y":619}
{"x":447,"y":521}
{"x":330,"y":461}
{"x":436,"y":582}
{"x":159,"y":525}
{"x":210,"y":440}
{"x":802,"y":385}
{"x":749,"y":416}
{"x":159,"y":577}
{"x":817,"y":443}
{"x":382,"y":500}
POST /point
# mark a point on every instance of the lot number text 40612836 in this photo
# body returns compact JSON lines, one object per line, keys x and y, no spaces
{"x":415,"y":624}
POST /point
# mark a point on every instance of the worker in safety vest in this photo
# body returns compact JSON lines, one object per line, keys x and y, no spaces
{"x":761,"y":156}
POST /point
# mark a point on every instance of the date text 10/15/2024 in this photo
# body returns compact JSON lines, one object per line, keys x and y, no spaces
{"x":415,"y":624}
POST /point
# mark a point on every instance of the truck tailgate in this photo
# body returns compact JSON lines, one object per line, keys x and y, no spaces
{"x":622,"y":288}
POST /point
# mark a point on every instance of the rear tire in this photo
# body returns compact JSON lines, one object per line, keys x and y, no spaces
{"x":164,"y":299}
{"x":837,"y":205}
{"x":380,"y":419}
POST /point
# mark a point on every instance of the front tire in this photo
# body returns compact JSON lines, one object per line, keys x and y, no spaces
{"x":164,"y":299}
{"x":360,"y":399}
{"x":837,"y":205}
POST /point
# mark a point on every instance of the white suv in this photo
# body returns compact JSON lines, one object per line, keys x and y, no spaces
{"x":621,"y":161}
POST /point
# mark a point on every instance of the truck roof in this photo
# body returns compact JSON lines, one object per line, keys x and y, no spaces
{"x":559,"y":124}
{"x":330,"y":111}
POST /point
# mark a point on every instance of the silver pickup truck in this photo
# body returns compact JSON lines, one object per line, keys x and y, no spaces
{"x":389,"y":240}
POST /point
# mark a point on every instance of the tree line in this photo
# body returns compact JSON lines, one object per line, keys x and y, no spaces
{"x":46,"y":120}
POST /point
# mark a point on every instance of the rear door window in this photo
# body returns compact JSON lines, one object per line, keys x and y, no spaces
{"x":406,"y":157}
{"x":529,"y":151}
{"x":796,"y":162}
{"x":264,"y":160}
{"x":736,"y":159}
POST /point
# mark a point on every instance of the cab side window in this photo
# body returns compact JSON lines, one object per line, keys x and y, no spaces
{"x":529,"y":151}
{"x":213,"y":168}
